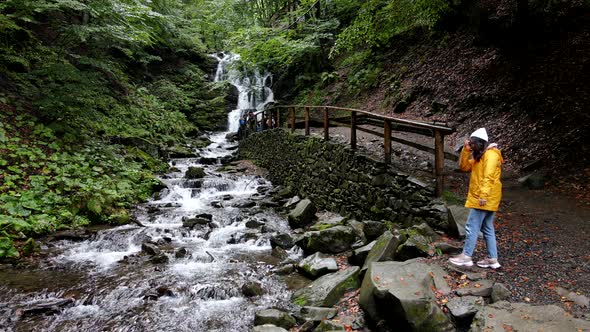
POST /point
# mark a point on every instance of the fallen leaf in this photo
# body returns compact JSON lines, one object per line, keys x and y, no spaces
{"x":463,"y":277}
{"x":526,"y":299}
{"x":491,"y":316}
{"x":376,"y":278}
{"x":477,"y":285}
{"x":507,"y":327}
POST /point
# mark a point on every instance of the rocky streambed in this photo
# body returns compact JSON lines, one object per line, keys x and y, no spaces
{"x":223,"y":249}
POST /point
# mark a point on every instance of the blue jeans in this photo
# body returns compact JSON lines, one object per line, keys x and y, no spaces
{"x":480,"y":220}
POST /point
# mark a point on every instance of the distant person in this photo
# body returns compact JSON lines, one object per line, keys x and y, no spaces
{"x":484,"y":161}
{"x":242,"y":127}
{"x":251,"y":121}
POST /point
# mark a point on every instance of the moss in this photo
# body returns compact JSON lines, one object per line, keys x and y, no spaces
{"x":451,"y":198}
{"x":300,"y":301}
{"x":322,"y":226}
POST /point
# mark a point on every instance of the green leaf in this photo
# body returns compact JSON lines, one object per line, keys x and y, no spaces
{"x":7,"y":249}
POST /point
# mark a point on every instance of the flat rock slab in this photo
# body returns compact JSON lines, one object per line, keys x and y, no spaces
{"x":328,"y":289}
{"x":505,"y":316}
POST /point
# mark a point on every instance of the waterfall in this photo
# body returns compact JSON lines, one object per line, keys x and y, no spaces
{"x":254,"y":88}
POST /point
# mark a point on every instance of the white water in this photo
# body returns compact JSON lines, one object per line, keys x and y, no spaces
{"x":112,"y":280}
{"x":254,"y":89}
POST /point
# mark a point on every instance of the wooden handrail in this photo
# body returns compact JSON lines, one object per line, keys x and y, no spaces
{"x":443,"y":129}
{"x":389,"y":124}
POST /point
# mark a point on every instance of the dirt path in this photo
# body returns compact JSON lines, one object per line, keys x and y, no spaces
{"x":543,"y":236}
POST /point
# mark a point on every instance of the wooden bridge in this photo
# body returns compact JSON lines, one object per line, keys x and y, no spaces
{"x":356,"y":119}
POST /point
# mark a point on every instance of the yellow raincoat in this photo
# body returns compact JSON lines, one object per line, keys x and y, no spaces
{"x":484,"y":182}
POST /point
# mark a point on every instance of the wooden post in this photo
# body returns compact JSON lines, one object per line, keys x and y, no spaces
{"x":278,"y":115}
{"x":263,"y":124}
{"x":439,"y":161}
{"x":387,"y":141}
{"x":326,"y":125}
{"x":292,"y":110}
{"x":353,"y":130}
{"x":306,"y":121}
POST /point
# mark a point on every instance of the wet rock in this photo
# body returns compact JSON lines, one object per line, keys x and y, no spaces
{"x":245,"y":205}
{"x":332,"y":240}
{"x":268,"y":328}
{"x":406,"y":290}
{"x":181,"y":253}
{"x":317,"y":265}
{"x":269,"y":204}
{"x":303,"y":214}
{"x":285,"y":269}
{"x":263,"y":189}
{"x":276,"y":317}
{"x":194,"y":173}
{"x":317,"y":314}
{"x":208,"y":161}
{"x":150,"y":249}
{"x":73,"y":235}
{"x":164,"y":291}
{"x":48,"y":307}
{"x":328,"y":289}
{"x":283,"y":240}
{"x":217,"y":204}
{"x":457,"y":220}
{"x":159,"y":259}
{"x":383,"y":250}
{"x":252,"y":288}
{"x":253,"y":223}
{"x":192,"y":222}
{"x":279,"y":253}
{"x":503,"y":316}
{"x":360,"y":254}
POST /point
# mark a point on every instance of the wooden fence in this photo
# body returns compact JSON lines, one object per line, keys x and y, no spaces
{"x":358,"y":118}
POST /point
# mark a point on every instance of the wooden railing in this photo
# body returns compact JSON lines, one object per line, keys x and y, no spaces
{"x":359,"y":117}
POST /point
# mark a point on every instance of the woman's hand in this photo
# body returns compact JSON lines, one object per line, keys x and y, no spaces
{"x":482,"y":202}
{"x":466,"y":145}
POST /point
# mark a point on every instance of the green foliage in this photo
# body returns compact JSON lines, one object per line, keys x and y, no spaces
{"x":378,"y":21}
{"x":7,"y":248}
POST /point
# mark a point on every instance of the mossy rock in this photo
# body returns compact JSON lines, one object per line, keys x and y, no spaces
{"x":194,"y":173}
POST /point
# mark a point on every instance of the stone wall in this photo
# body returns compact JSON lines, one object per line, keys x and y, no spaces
{"x":338,"y":179}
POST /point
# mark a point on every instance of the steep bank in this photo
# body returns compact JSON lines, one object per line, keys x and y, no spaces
{"x":526,"y":87}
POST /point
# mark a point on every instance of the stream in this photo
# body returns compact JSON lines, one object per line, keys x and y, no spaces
{"x":106,"y":282}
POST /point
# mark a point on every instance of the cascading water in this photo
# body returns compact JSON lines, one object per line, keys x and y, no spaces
{"x":254,"y":89}
{"x":193,"y":280}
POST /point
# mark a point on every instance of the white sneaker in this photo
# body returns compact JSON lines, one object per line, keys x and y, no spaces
{"x":461,"y":260}
{"x":492,"y":263}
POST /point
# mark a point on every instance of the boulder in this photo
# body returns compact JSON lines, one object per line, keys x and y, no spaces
{"x":359,"y":255}
{"x":505,"y":316}
{"x":464,"y":307}
{"x":317,"y":314}
{"x":329,"y":326}
{"x":479,"y":288}
{"x":192,"y":222}
{"x":535,"y":181}
{"x":383,"y":250}
{"x":373,"y":229}
{"x":150,"y":249}
{"x":275,"y":317}
{"x":291,"y":202}
{"x":317,"y":265}
{"x":194,"y":173}
{"x":415,"y":246}
{"x":328,"y":289}
{"x":283,"y":240}
{"x":268,"y":328}
{"x":401,"y":294}
{"x":500,"y":292}
{"x":252,"y":288}
{"x":332,"y":240}
{"x":303,"y":214}
{"x":457,"y":220}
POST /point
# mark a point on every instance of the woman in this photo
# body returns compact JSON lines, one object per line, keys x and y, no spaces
{"x":484,"y":161}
